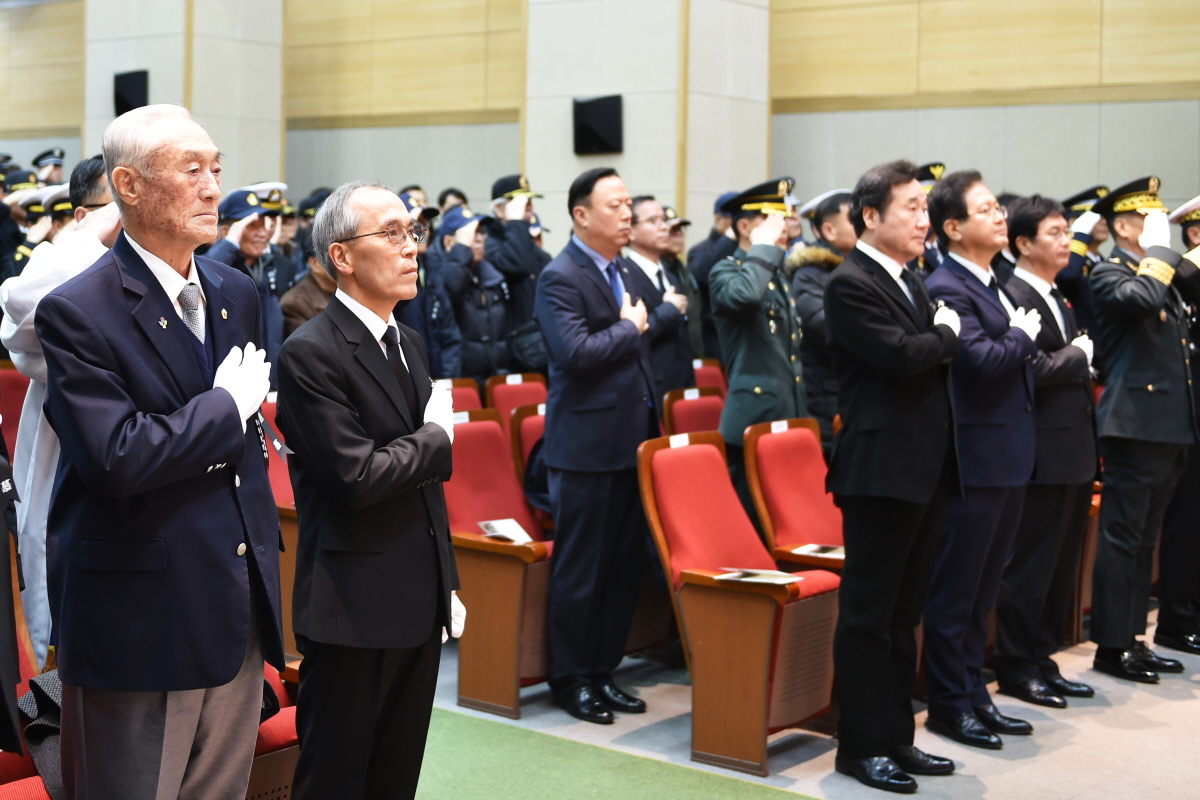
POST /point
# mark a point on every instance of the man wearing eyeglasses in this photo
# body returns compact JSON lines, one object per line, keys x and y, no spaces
{"x":992,"y":378}
{"x":375,"y":574}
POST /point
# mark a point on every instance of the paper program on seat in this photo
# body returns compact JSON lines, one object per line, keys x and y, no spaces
{"x":829,"y":550}
{"x":772,"y":576}
{"x":508,"y":529}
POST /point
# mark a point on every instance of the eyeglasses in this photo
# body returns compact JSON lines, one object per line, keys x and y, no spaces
{"x":656,"y":220}
{"x":396,"y":235}
{"x":992,"y":211}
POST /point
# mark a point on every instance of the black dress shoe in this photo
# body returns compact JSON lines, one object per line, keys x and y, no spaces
{"x":1123,"y":664}
{"x":996,"y":722}
{"x":1068,"y":688}
{"x":1184,"y":642}
{"x":878,"y":773}
{"x":1036,"y":691}
{"x":582,"y":702}
{"x":965,"y":728}
{"x":617,"y":700}
{"x":1153,"y":661}
{"x":915,"y":761}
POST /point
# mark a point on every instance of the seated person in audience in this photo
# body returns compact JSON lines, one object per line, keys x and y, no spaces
{"x":479,"y":295}
{"x":311,"y":293}
{"x":811,"y":265}
{"x":670,"y":349}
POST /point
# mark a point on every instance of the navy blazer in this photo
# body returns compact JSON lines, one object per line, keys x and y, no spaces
{"x":598,"y":406}
{"x":993,"y":382}
{"x":670,"y":347}
{"x":158,"y":487}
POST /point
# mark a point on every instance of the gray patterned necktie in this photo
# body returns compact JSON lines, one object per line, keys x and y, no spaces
{"x":189,"y":302}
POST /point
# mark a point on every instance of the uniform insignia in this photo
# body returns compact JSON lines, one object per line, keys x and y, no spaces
{"x":771,"y":285}
{"x":252,"y":199}
{"x":224,"y":314}
{"x":524,"y":182}
{"x":162,"y":322}
{"x":937,"y":170}
{"x":1102,"y":192}
{"x":772,"y":323}
{"x":1162,"y":315}
{"x":1153,"y":185}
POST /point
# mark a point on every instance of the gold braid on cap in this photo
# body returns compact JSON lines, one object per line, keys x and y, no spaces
{"x":1192,"y":217}
{"x":1138,"y":202}
{"x":1156,"y":268}
{"x":782,"y":209}
{"x":1193,"y":256}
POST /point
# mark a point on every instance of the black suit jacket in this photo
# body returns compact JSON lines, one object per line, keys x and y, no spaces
{"x":601,"y":380}
{"x":374,"y":566}
{"x":892,"y":365}
{"x":158,"y":486}
{"x":1063,"y":406}
{"x":670,"y":347}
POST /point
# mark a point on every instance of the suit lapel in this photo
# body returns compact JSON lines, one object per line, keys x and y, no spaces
{"x":1025,"y":295}
{"x":889,"y":285}
{"x":156,"y":316}
{"x":369,"y":353}
{"x":593,"y":274}
{"x":420,"y":378}
{"x":975,"y":285}
{"x":222,"y":313}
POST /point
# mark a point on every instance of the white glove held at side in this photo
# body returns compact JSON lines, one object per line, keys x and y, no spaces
{"x":1085,"y":344}
{"x":1029,"y":322}
{"x":458,"y":618}
{"x":246,"y":375}
{"x":1156,"y":231}
{"x":1086,"y":223}
{"x":949,"y":317}
{"x":440,"y":408}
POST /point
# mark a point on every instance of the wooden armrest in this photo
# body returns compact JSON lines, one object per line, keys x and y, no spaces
{"x":810,"y":559}
{"x":529,"y":552}
{"x":291,"y":671}
{"x":547,"y":523}
{"x":286,"y":511}
{"x":708,"y":578}
{"x":1097,"y":486}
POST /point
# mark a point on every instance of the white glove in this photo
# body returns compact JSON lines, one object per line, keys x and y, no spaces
{"x":458,"y":618}
{"x":238,"y":229}
{"x":1085,"y":223}
{"x":1156,"y":231}
{"x":945,"y":315}
{"x":440,"y":408}
{"x":1030,"y":322}
{"x":1085,"y":344}
{"x":769,"y":231}
{"x":515,"y":208}
{"x":246,"y":375}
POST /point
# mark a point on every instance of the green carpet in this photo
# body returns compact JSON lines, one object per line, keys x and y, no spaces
{"x":468,"y":758}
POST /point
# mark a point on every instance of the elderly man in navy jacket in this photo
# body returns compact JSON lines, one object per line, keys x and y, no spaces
{"x":993,"y":398}
{"x":162,"y":536}
{"x":600,"y":407}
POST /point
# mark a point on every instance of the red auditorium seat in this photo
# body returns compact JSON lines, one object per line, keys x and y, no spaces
{"x":786,"y":472}
{"x":506,"y":392}
{"x":760,"y":654}
{"x":528,"y":425}
{"x":465,"y":392}
{"x":692,"y":410}
{"x":25,"y":789}
{"x":289,"y":531}
{"x":13,"y":386}
{"x":277,"y":748}
{"x":709,"y":372}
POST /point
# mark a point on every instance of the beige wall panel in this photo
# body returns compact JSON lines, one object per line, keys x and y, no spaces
{"x":419,"y":18}
{"x":327,"y":81}
{"x":808,"y":5}
{"x":46,"y":97}
{"x":505,"y":74}
{"x":1018,"y":44}
{"x":5,"y":77}
{"x":505,"y":15}
{"x":321,"y":21}
{"x":1151,"y":41}
{"x":396,"y":88}
{"x":46,"y":34}
{"x":861,"y":50}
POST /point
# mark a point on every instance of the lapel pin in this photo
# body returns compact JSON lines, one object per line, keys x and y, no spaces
{"x":162,"y":322}
{"x":224,"y":314}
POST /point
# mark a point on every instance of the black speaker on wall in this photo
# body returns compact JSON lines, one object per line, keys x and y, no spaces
{"x":598,"y":125}
{"x":131,"y":90}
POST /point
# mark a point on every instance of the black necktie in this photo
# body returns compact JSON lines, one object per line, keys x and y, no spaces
{"x":995,"y":287}
{"x":910,"y":281}
{"x":1062,"y":309}
{"x":392,"y":342}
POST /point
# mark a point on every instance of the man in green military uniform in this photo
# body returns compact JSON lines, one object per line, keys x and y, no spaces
{"x":757,"y":323}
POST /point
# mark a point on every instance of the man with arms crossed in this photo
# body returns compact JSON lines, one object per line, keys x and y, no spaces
{"x":892,"y":472}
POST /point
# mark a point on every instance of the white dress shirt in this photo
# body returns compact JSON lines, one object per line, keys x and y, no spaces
{"x":890,"y":265}
{"x":653,"y":269}
{"x":376,"y":325}
{"x":986,"y":276}
{"x":1043,"y":288}
{"x":172,"y":282}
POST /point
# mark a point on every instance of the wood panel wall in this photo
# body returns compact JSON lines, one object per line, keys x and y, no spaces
{"x":41,"y":70}
{"x":380,"y":62}
{"x":890,"y":53}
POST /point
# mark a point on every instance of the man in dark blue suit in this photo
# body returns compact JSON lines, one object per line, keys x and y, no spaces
{"x":600,"y":407}
{"x":162,"y":537}
{"x":993,"y":398}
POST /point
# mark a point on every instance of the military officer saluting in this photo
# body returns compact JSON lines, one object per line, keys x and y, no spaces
{"x":1145,"y":419}
{"x":1088,"y":232}
{"x":49,"y":166}
{"x":757,"y":322}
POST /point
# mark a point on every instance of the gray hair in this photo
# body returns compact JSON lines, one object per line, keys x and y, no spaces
{"x":336,"y":221}
{"x":131,"y":140}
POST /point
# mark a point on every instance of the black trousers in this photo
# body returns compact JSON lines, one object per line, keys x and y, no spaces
{"x":1139,"y":479}
{"x":1179,"y":556}
{"x":362,"y":715}
{"x":891,"y":546}
{"x":596,"y":573}
{"x":1038,"y":581}
{"x":980,"y":527}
